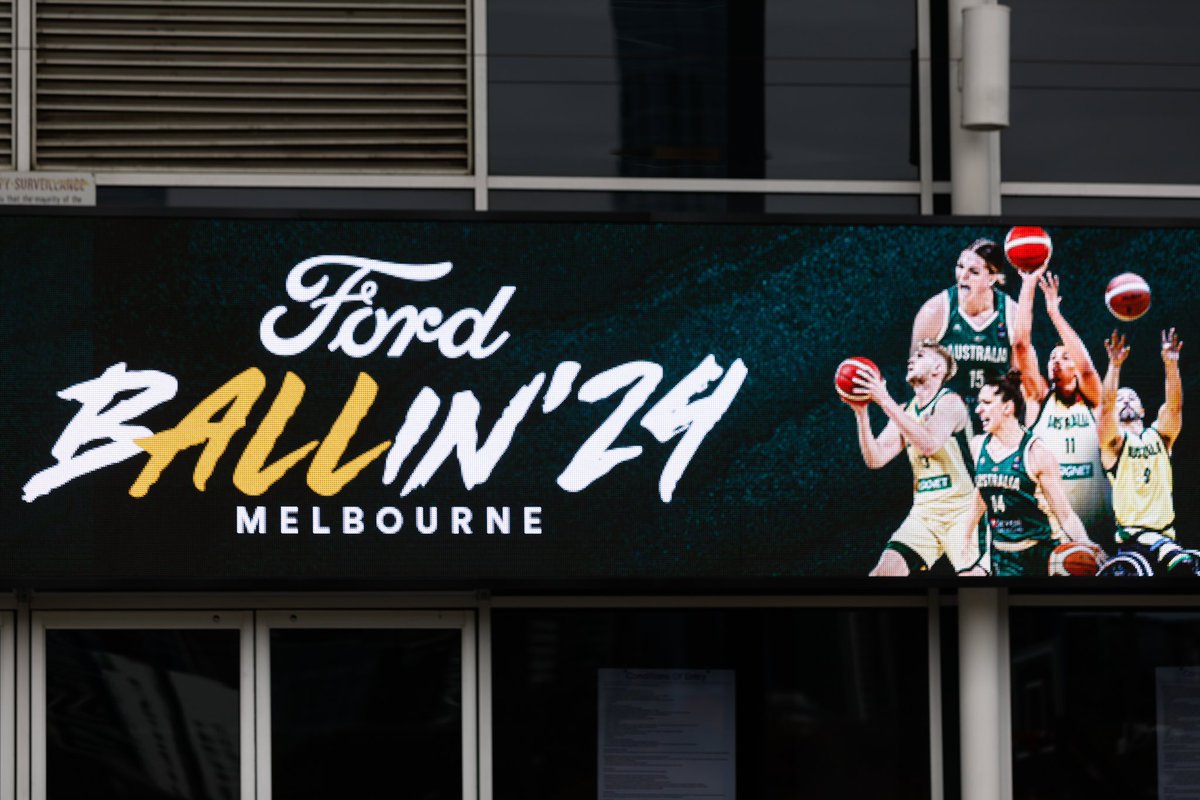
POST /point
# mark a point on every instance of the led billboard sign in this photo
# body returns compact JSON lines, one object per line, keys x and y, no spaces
{"x":495,"y":401}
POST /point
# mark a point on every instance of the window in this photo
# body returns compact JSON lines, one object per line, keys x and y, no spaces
{"x":366,"y":704}
{"x":1103,"y":97}
{"x":232,"y":705}
{"x":686,"y":89}
{"x":1100,"y":699}
{"x":819,"y":694}
{"x":140,"y":705}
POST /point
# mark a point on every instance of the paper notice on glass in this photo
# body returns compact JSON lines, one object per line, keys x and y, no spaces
{"x":1178,"y":732}
{"x":666,"y":734}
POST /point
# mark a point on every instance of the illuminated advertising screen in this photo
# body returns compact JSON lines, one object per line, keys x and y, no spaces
{"x":572,"y":402}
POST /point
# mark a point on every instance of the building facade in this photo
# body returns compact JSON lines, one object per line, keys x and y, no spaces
{"x":125,"y":672}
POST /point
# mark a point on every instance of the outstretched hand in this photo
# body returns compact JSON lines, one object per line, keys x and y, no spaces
{"x":1117,"y":348}
{"x":1048,"y":283}
{"x":1034,"y":275}
{"x":1170,"y":346}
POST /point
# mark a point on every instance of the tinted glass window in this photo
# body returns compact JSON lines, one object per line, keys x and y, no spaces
{"x":819,"y":694}
{"x":146,"y":714}
{"x":366,"y":714}
{"x":1103,"y":96}
{"x":841,"y":90}
{"x":1100,"y":702}
{"x":690,"y":88}
{"x":1091,"y":207}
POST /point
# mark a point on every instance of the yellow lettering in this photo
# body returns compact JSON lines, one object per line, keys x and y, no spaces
{"x":250,"y":475}
{"x":198,"y":427}
{"x":324,"y":476}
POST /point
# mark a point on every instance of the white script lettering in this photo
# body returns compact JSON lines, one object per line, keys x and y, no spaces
{"x":365,"y":329}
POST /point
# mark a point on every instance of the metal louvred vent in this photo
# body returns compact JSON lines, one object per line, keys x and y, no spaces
{"x":6,"y":84}
{"x":376,"y":86}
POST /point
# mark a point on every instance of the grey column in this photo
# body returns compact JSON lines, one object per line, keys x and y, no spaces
{"x":974,"y":155}
{"x":983,"y":712}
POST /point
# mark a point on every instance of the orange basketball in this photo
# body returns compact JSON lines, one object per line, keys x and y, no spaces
{"x":1028,"y":247}
{"x":1076,"y":558}
{"x":1127,"y":297}
{"x":843,"y":379}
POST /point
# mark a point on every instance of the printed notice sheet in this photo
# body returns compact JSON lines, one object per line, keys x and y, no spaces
{"x":666,"y":734}
{"x":1178,"y":732}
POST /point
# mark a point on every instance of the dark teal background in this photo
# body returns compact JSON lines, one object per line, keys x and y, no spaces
{"x":777,"y":493}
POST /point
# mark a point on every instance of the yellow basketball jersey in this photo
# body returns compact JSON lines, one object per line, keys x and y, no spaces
{"x":941,"y":481}
{"x":1142,"y":482}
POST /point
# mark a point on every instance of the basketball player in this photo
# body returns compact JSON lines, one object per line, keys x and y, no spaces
{"x":1061,"y":411}
{"x":1138,"y":461}
{"x":971,"y":319}
{"x":932,"y":428}
{"x":1018,"y":479}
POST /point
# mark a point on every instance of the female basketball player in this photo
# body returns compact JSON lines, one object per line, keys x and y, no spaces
{"x":1018,"y":478}
{"x":971,"y":319}
{"x":1061,"y":411}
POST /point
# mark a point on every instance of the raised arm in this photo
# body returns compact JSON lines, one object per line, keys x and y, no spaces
{"x":927,"y":436}
{"x":1045,"y":471}
{"x":930,"y":321}
{"x":1170,"y":416}
{"x":1033,"y":384}
{"x":1107,"y":428}
{"x":1089,"y":378}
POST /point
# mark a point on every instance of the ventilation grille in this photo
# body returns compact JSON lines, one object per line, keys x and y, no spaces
{"x":252,"y":85}
{"x":6,"y":84}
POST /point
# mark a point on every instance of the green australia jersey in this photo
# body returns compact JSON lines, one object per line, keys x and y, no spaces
{"x":980,"y":352}
{"x":1013,"y":498}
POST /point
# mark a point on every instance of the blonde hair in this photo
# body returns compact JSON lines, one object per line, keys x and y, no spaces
{"x":947,"y":356}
